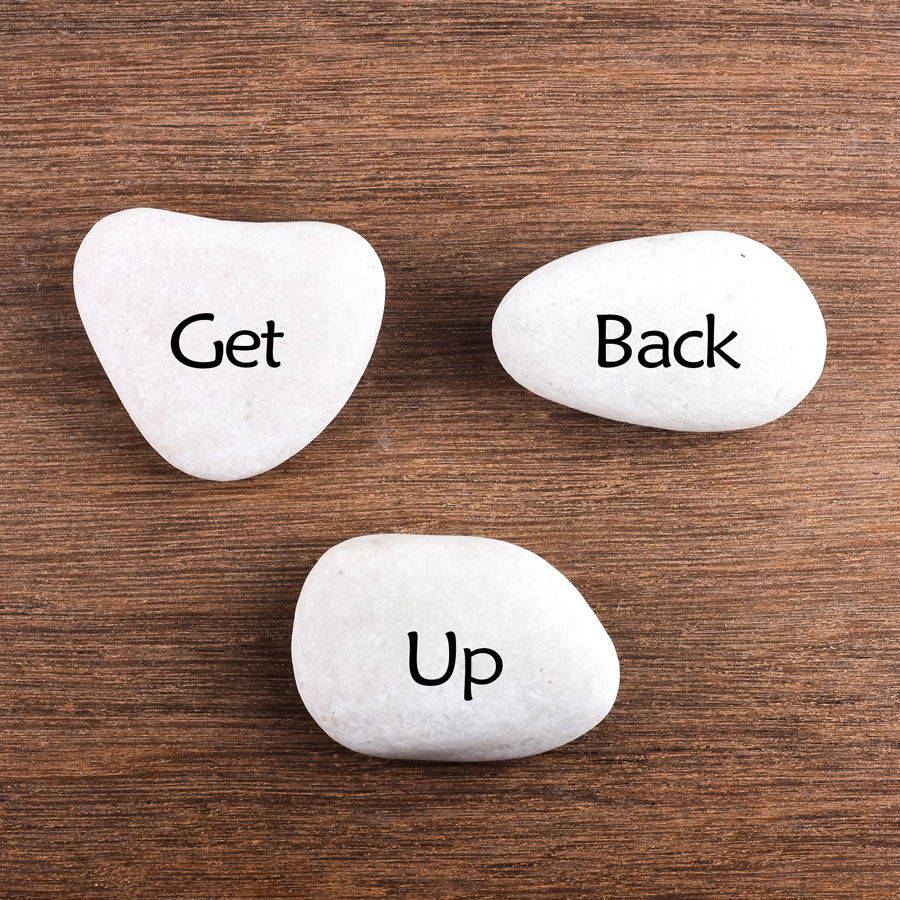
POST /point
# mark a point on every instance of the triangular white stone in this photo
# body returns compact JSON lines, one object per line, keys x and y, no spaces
{"x":141,"y":273}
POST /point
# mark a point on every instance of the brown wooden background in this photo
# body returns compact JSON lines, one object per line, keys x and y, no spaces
{"x":153,"y":744}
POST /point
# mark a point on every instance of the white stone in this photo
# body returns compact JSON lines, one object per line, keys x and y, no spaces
{"x":140,"y":273}
{"x":558,"y":672}
{"x":547,"y":332}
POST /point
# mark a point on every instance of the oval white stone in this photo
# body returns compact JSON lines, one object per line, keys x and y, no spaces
{"x":351,"y":649}
{"x":142,"y":272}
{"x":547,"y":332}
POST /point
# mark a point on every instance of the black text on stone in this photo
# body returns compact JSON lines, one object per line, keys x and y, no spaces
{"x":232,"y":346}
{"x":689,"y":349}
{"x":470,"y":679}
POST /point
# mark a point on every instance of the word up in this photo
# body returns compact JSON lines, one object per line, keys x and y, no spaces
{"x":656,"y":352}
{"x":230,"y":348}
{"x":470,"y":679}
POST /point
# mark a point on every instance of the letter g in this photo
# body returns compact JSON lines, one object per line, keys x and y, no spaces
{"x":176,"y":343}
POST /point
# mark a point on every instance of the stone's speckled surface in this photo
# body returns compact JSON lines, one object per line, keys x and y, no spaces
{"x":547,"y":333}
{"x":142,"y":272}
{"x":558,"y":673}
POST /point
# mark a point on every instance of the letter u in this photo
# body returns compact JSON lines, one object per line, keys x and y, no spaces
{"x":413,"y":661}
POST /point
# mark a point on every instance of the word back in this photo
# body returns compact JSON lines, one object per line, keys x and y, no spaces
{"x":693,"y":349}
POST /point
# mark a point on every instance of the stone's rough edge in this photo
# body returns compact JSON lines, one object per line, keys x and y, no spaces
{"x":434,"y":758}
{"x":508,"y":299}
{"x":95,"y":233}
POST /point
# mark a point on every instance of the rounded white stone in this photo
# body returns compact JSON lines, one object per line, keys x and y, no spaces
{"x":547,"y":333}
{"x":559,"y":672}
{"x":141,"y":272}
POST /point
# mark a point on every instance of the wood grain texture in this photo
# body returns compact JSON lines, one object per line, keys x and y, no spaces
{"x":152,"y":742}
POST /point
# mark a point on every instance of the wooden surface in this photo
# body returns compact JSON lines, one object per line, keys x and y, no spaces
{"x":152,"y":741}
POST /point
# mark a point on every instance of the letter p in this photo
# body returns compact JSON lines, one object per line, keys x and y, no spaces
{"x":470,"y":678}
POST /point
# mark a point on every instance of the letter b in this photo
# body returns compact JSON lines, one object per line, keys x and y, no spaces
{"x":605,"y":341}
